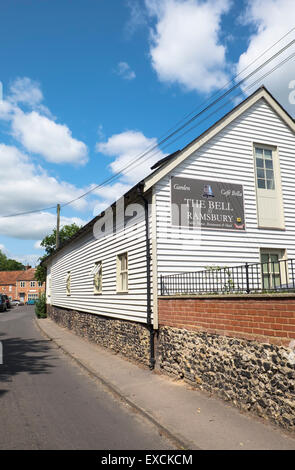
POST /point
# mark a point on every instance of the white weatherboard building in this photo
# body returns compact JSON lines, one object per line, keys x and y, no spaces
{"x":236,"y":185}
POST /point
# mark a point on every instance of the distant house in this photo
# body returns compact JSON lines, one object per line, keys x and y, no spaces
{"x":8,"y":281}
{"x":27,"y":288}
{"x":20,"y":285}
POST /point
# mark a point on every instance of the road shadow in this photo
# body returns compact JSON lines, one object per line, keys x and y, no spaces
{"x":25,"y":355}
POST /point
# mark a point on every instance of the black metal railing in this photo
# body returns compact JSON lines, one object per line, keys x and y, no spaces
{"x":272,"y":276}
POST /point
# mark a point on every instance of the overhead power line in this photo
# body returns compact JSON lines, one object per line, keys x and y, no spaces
{"x":166,"y":137}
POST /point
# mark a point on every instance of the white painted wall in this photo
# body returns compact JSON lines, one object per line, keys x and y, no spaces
{"x":79,"y":258}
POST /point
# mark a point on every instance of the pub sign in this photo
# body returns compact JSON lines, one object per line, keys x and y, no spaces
{"x":205,"y":203}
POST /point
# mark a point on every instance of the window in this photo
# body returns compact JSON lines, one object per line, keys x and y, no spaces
{"x":122,"y":272}
{"x":33,"y":296}
{"x":97,"y":277}
{"x":22,"y":284}
{"x":32,"y":284}
{"x":274,"y":273}
{"x":270,"y":212}
{"x":264,"y":168}
{"x":39,"y":284}
{"x":68,"y":283}
{"x":10,"y":288}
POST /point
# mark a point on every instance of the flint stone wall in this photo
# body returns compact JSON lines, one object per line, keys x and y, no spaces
{"x":127,"y":338}
{"x":256,"y":377}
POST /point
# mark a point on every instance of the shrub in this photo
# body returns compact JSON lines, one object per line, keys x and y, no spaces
{"x":40,"y":306}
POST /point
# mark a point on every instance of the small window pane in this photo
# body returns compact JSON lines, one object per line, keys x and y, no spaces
{"x":270,"y":184}
{"x":258,"y":151}
{"x":265,"y":281}
{"x":268,"y":164}
{"x":123,"y":262}
{"x":264,"y":258}
{"x":124,"y":281}
{"x":260,"y":173}
{"x":268,"y":154}
{"x":269,"y":174}
{"x":261,"y":184}
{"x":259,"y":163}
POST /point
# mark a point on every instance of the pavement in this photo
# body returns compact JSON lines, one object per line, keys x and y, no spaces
{"x":191,"y":419}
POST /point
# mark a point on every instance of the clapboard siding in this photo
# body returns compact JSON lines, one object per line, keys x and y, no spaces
{"x":228,"y":157}
{"x":79,"y":258}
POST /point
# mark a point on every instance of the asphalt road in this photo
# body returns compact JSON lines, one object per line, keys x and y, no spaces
{"x":48,"y":402}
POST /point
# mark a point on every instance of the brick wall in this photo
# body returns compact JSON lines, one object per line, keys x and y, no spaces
{"x":264,"y":318}
{"x":9,"y":290}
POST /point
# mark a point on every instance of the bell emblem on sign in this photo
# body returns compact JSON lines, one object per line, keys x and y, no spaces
{"x":208,"y":191}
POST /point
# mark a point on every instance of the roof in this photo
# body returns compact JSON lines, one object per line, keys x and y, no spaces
{"x":9,"y":277}
{"x":27,"y":275}
{"x":168,"y":163}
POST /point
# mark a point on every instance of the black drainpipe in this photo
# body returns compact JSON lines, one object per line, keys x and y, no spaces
{"x":148,"y":277}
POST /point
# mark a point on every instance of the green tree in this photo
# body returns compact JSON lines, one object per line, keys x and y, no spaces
{"x":8,"y":264}
{"x":40,"y":306}
{"x":49,"y":244}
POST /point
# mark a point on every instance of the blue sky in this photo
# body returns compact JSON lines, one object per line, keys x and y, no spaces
{"x":89,"y":85}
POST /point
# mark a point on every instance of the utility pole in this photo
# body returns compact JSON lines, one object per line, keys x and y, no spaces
{"x":57,"y":225}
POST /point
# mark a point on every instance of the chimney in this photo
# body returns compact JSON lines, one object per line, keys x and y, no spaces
{"x":28,"y":267}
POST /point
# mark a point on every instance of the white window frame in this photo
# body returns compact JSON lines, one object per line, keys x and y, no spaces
{"x":22,"y":284}
{"x":269,"y":273}
{"x":68,"y":283}
{"x":32,"y":283}
{"x":122,"y":273}
{"x":97,"y":277}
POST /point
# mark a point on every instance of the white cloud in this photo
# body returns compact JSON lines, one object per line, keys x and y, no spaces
{"x":34,"y":226}
{"x":37,"y":130}
{"x":271,"y":19}
{"x":185,"y":46}
{"x":26,"y":91}
{"x":3,"y":248}
{"x":124,"y":70}
{"x":41,"y":135}
{"x":137,"y":17}
{"x":37,"y":245}
{"x":26,"y":187}
{"x":6,"y":110}
{"x":126,"y":147}
{"x":108,"y":195}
